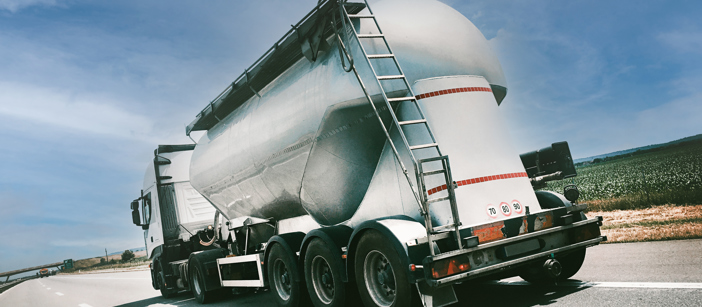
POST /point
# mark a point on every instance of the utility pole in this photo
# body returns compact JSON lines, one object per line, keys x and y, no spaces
{"x":106,"y":256}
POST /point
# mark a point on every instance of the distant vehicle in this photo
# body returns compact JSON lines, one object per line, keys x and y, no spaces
{"x":43,"y":273}
{"x":320,"y":170}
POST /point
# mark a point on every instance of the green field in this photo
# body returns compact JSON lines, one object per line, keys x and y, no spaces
{"x":669,"y":175}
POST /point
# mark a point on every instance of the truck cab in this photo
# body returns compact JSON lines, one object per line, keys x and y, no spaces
{"x":169,"y":209}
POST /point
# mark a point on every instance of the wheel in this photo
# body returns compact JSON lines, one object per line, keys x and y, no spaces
{"x":380,"y":277}
{"x":322,"y":276}
{"x":165,"y":292}
{"x":282,"y":271}
{"x":154,"y":279}
{"x":570,"y":264}
{"x":197,"y":284}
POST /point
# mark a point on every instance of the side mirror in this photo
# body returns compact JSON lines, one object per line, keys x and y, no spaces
{"x":135,"y":204}
{"x":136,"y":218}
{"x":549,"y":160}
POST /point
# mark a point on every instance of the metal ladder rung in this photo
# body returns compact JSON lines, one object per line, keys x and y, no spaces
{"x":441,"y":171}
{"x":423,"y":146}
{"x":391,"y":77}
{"x":412,"y":122}
{"x":427,"y":160}
{"x":431,"y":201}
{"x":381,"y":56}
{"x":361,"y":16}
{"x":400,"y":99}
{"x":370,"y":35}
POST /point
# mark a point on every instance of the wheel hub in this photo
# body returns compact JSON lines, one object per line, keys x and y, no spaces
{"x":380,"y":279}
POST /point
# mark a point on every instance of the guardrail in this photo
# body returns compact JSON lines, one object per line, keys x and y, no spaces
{"x":6,"y":286}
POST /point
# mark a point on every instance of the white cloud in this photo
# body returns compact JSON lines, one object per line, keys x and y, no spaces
{"x":682,"y":41}
{"x":16,"y":5}
{"x":89,"y":114}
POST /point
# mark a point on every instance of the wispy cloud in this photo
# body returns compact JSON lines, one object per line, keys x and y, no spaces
{"x":16,"y":5}
{"x":92,"y":115}
{"x":682,"y":41}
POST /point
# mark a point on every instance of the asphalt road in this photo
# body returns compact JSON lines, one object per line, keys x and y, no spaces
{"x":630,"y":274}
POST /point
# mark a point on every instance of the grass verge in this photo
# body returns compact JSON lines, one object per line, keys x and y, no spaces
{"x":667,"y":222}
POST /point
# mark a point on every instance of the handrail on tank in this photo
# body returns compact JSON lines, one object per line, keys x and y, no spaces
{"x":260,"y":59}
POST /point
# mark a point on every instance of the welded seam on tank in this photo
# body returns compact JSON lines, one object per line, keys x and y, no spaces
{"x":479,"y":180}
{"x":453,"y":91}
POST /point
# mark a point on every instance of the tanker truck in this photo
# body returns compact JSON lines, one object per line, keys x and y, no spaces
{"x":326,"y":169}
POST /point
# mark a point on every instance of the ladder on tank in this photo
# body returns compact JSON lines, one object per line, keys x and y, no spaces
{"x":421,"y":195}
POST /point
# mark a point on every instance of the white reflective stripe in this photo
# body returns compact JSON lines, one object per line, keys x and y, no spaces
{"x":59,"y":293}
{"x":587,"y":284}
{"x":84,"y":305}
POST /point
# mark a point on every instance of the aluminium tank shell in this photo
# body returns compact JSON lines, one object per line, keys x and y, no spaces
{"x":310,"y":144}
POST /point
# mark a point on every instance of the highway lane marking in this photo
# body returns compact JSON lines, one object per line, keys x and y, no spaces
{"x":59,"y":293}
{"x":588,"y":284}
{"x":84,"y":305}
{"x":134,"y":278}
{"x":190,"y":299}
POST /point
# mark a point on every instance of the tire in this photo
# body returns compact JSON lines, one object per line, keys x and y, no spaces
{"x":165,"y":292}
{"x":282,"y":271}
{"x":322,"y":276}
{"x":197,"y":284}
{"x":571,"y":264}
{"x":380,"y":277}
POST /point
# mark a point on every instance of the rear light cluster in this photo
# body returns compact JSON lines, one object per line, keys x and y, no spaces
{"x":451,"y":266}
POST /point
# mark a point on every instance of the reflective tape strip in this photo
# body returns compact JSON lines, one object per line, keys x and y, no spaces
{"x":454,"y":91}
{"x":479,"y":180}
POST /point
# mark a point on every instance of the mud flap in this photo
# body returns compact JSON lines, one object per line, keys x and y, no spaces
{"x":436,"y":297}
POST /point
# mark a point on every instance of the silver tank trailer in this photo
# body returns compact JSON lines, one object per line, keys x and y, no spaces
{"x":310,"y":144}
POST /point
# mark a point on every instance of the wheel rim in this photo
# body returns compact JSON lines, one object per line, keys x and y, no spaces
{"x":196,"y":282}
{"x":380,"y":278}
{"x":281,"y":279}
{"x":322,"y":279}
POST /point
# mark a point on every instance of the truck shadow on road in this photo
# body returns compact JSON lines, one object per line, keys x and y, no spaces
{"x":257,"y":299}
{"x":476,"y":294}
{"x":491,"y":294}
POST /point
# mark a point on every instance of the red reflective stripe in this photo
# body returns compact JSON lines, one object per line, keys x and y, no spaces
{"x":453,"y":91}
{"x":479,"y":180}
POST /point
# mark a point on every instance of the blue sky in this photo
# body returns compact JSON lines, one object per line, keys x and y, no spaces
{"x":89,"y":88}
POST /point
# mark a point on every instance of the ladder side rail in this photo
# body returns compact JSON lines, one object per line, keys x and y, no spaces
{"x":421,"y":193}
{"x":382,"y":90}
{"x":452,"y":200}
{"x":392,"y":113}
{"x":399,"y":68}
{"x":427,"y":216}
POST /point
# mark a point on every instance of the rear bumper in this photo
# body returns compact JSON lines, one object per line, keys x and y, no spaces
{"x":497,"y":256}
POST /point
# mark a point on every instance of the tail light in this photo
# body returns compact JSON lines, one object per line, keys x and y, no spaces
{"x":448,"y":267}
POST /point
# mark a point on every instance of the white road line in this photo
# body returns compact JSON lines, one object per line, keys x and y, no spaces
{"x":59,"y":293}
{"x":587,"y":284}
{"x":190,"y":299}
{"x":102,"y":278}
{"x":48,"y":288}
{"x":84,"y":305}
